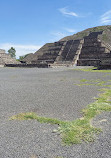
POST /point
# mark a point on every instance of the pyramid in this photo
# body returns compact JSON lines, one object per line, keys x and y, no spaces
{"x":6,"y":58}
{"x":90,"y":50}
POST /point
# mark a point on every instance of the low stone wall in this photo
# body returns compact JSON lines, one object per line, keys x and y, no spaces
{"x":87,"y":62}
{"x":27,"y":65}
{"x":104,"y":67}
{"x":105,"y":64}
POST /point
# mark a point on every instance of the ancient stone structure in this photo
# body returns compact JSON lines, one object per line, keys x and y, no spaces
{"x":44,"y":65}
{"x":48,"y":53}
{"x":89,"y":51}
{"x":93,"y":50}
{"x":6,"y":58}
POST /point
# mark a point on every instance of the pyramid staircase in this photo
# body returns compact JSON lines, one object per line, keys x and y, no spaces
{"x":69,"y":53}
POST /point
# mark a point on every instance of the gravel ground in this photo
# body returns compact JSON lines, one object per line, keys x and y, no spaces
{"x":50,"y":93}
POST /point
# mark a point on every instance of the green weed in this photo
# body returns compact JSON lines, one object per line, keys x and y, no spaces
{"x":74,"y":132}
{"x":94,"y":83}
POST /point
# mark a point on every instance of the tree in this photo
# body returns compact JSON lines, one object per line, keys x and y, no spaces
{"x":12,"y":52}
{"x":21,"y":57}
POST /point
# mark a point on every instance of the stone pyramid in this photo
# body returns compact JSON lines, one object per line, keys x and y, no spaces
{"x":88,"y":51}
{"x":6,"y":58}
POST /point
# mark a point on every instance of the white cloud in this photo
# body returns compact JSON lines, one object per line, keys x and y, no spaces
{"x":106,"y":18}
{"x":70,"y":30}
{"x":66,"y":12}
{"x":20,"y":49}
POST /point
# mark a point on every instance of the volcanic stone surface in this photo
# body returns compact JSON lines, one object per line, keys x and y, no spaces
{"x":50,"y":93}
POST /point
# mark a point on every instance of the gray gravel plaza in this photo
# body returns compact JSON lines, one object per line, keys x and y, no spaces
{"x":49,"y":92}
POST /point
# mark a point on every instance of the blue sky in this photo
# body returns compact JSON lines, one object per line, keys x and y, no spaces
{"x":28,"y":24}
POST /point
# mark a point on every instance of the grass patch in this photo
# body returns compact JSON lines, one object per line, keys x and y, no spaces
{"x":92,"y":70}
{"x":74,"y":132}
{"x":32,"y":115}
{"x":83,"y":80}
{"x":98,"y":82}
